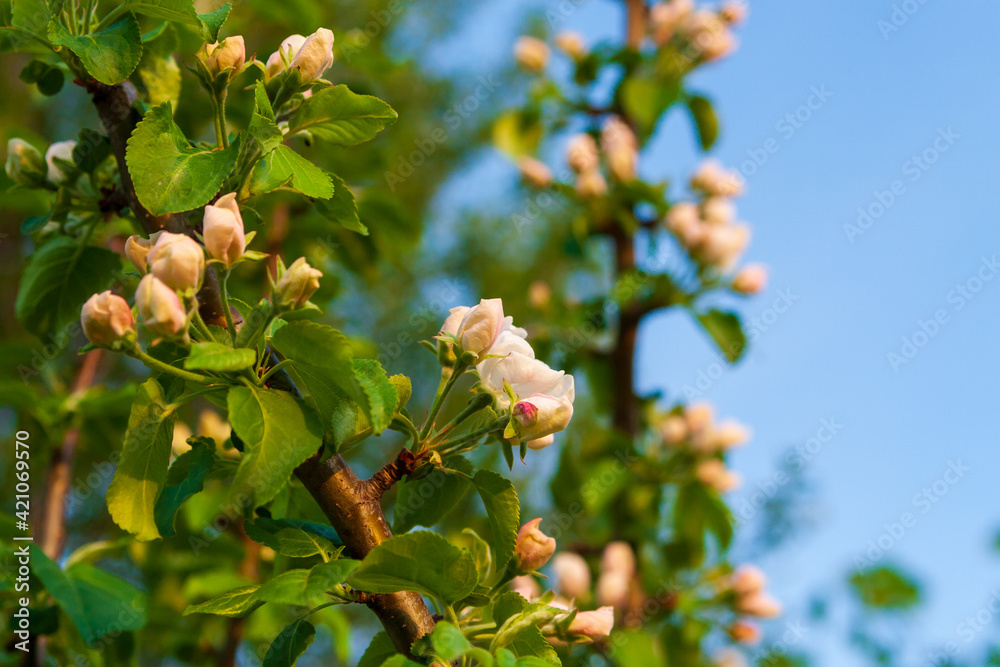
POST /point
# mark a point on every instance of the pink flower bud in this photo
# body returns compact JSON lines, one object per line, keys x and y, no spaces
{"x":747,"y":580}
{"x":759,"y":605}
{"x":106,"y":319}
{"x":178,"y":261}
{"x":526,"y":587}
{"x":160,"y":308}
{"x":137,"y":250}
{"x":571,"y":43}
{"x":582,"y":153}
{"x":744,"y":632}
{"x":718,"y":210}
{"x":734,"y":12}
{"x":572,"y":574}
{"x":591,"y":184}
{"x":540,"y":415}
{"x":709,"y":34}
{"x":621,"y":148}
{"x":713,"y":473}
{"x":729,"y":434}
{"x":286,"y":51}
{"x":674,"y":430}
{"x":618,"y":557}
{"x":315,"y":56}
{"x":222,"y":230}
{"x":63,"y":150}
{"x":699,"y":416}
{"x":713,"y":179}
{"x":613,"y":589}
{"x":664,"y":18}
{"x":594,"y":624}
{"x":534,"y":548}
{"x":231,"y":53}
{"x":721,"y":247}
{"x":531,"y":53}
{"x":535,"y":172}
{"x":299,"y":282}
{"x":751,"y":279}
{"x":685,"y":222}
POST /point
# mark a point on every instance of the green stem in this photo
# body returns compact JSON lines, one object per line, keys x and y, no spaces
{"x":113,"y":16}
{"x":474,"y":435}
{"x":202,"y":328}
{"x":187,"y":398}
{"x":444,"y":388}
{"x":156,"y":364}
{"x":274,"y":369}
{"x":220,"y":109}
{"x":225,"y":304}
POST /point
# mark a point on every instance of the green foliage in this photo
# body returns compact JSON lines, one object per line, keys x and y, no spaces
{"x":885,"y":588}
{"x":726,"y":330}
{"x":427,"y":500}
{"x":423,"y":562}
{"x":503,"y":511}
{"x":170,"y":174}
{"x":338,"y":116}
{"x":48,"y":78}
{"x":236,"y":603}
{"x":142,"y":468}
{"x":290,"y":644}
{"x":185,"y":478}
{"x":298,"y":539}
{"x":306,"y":587}
{"x":284,"y":168}
{"x":109,"y":55}
{"x":59,"y":277}
{"x":705,"y":121}
{"x":212,"y":356}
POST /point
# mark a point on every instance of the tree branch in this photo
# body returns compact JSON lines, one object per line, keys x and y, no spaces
{"x":351,"y":505}
{"x":392,"y":472}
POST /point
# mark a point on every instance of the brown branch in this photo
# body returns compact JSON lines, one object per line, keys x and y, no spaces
{"x":349,"y":503}
{"x":392,"y":472}
{"x":635,"y":22}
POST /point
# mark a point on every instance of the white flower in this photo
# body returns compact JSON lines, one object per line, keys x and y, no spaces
{"x":540,"y":415}
{"x":312,"y":55}
{"x":479,"y":328}
{"x":63,"y":150}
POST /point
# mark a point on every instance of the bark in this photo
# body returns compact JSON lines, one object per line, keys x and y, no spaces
{"x":352,"y":505}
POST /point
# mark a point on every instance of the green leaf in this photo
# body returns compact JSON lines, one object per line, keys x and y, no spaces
{"x":91,"y":150}
{"x":291,"y":538}
{"x":404,"y":389}
{"x":212,"y":22}
{"x":254,"y":323}
{"x":190,"y":470}
{"x":517,"y":133}
{"x":183,"y":11}
{"x":528,"y":641}
{"x":727,"y":332}
{"x":646,"y":98}
{"x":450,"y":644}
{"x":170,"y":174}
{"x":288,"y":646}
{"x":306,"y":587}
{"x":158,"y":69}
{"x":480,"y":551}
{"x":526,"y":620}
{"x":426,"y":501}
{"x":142,"y":469}
{"x":323,"y":369}
{"x":278,"y":434}
{"x":380,"y":650}
{"x":503,"y":511}
{"x":32,"y":16}
{"x":885,"y":588}
{"x":378,"y":394}
{"x":399,"y":661}
{"x":48,"y":78}
{"x":236,"y":603}
{"x":705,"y":120}
{"x":423,"y":562}
{"x":219,"y":357}
{"x":96,"y":602}
{"x":59,"y":277}
{"x":262,"y":126}
{"x":341,"y":117}
{"x":283,"y":167}
{"x":110,"y":55}
{"x":341,"y":209}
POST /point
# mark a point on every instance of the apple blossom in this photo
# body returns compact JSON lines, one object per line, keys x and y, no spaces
{"x":665,"y":16}
{"x":160,"y":308}
{"x":222,"y":230}
{"x":685,"y":222}
{"x":747,"y":580}
{"x":709,"y":33}
{"x":728,"y":434}
{"x":613,"y":588}
{"x":540,"y":415}
{"x":674,"y":429}
{"x":535,"y":172}
{"x":699,"y":416}
{"x":591,"y":184}
{"x":581,"y":153}
{"x":713,"y":473}
{"x":25,"y":165}
{"x":760,"y":605}
{"x":751,"y":279}
{"x":542,"y":443}
{"x":106,"y":319}
{"x":714,"y":179}
{"x":299,"y":282}
{"x":178,"y":261}
{"x":315,"y":56}
{"x":286,"y":51}
{"x":531,"y":53}
{"x":60,"y":150}
{"x":621,"y":147}
{"x":744,"y":632}
{"x":230,"y":53}
{"x":526,"y":375}
{"x":594,"y":624}
{"x":571,"y":43}
{"x":479,"y":327}
{"x":572,"y":574}
{"x":721,"y":247}
{"x":534,"y":548}
{"x":137,"y":250}
{"x":618,"y":557}
{"x":717,"y":210}
{"x":526,"y":586}
{"x":730,"y":658}
{"x":734,"y":12}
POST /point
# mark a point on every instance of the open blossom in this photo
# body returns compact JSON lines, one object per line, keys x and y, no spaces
{"x":594,"y":624}
{"x":231,"y":53}
{"x":478,"y":328}
{"x":535,"y":172}
{"x":621,"y":147}
{"x":312,"y":55}
{"x":534,"y":548}
{"x":178,"y":261}
{"x":572,"y":574}
{"x":664,"y":17}
{"x":299,"y":282}
{"x":106,"y":319}
{"x":531,"y":53}
{"x":571,"y":43}
{"x":159,"y":307}
{"x":222,"y":229}
{"x":751,"y":279}
{"x":527,"y":376}
{"x":709,"y":33}
{"x":62,"y":150}
{"x":25,"y":165}
{"x":581,"y":153}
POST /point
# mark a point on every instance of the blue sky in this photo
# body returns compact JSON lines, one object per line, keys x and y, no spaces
{"x":901,"y":125}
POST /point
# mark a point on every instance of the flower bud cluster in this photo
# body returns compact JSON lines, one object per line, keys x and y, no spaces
{"x":699,"y":34}
{"x":750,"y":598}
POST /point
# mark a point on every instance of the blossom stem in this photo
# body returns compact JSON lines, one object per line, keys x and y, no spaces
{"x":224,"y":292}
{"x":156,"y":364}
{"x":443,"y":390}
{"x":474,"y":435}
